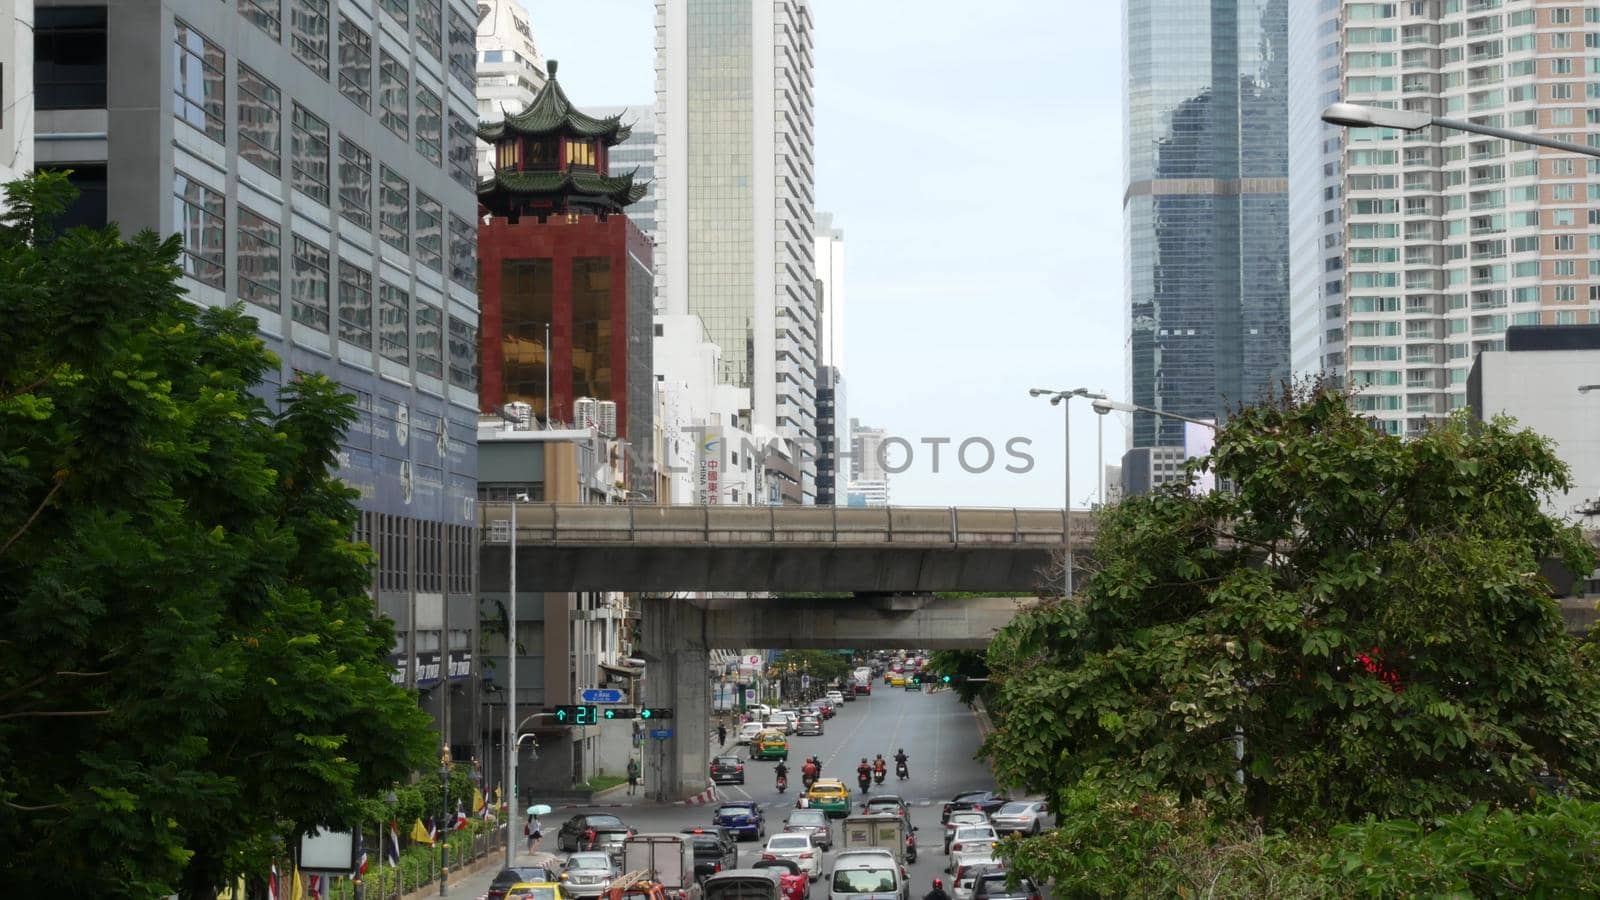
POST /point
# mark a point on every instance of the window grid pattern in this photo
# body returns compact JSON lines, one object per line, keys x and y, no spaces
{"x":394,"y":209}
{"x":394,"y":323}
{"x":199,"y":82}
{"x":430,"y":232}
{"x":430,"y":125}
{"x":430,"y":340}
{"x":266,"y":15}
{"x":394,"y":95}
{"x":260,"y":261}
{"x":199,"y":213}
{"x":355,"y":64}
{"x":355,"y":305}
{"x":463,"y":253}
{"x":260,"y":121}
{"x":309,"y":154}
{"x":355,"y":183}
{"x":463,"y":354}
{"x":308,"y":28}
{"x":308,"y":288}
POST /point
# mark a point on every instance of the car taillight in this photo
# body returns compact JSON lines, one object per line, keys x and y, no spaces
{"x":768,"y":856}
{"x":739,"y":767}
{"x":805,"y":856}
{"x":717,"y":867}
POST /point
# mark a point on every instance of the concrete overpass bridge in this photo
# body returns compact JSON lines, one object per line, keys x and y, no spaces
{"x":799,"y":549}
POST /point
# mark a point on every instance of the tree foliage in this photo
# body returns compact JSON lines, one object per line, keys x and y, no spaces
{"x":822,"y":665}
{"x":190,"y":667}
{"x":971,"y":663}
{"x":1365,"y":610}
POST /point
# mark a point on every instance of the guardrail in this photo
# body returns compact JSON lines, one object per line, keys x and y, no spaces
{"x":558,"y":523}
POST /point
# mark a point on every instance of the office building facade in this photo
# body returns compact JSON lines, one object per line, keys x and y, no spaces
{"x":16,"y":92}
{"x":1453,"y":237}
{"x":735,"y":199}
{"x":317,"y":161}
{"x":1205,"y":207}
{"x":637,"y":154}
{"x":833,"y":436}
{"x":510,"y":67}
{"x":1316,"y":203}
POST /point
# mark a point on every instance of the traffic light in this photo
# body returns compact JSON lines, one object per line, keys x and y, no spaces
{"x":656,"y":712}
{"x":576,"y":715}
{"x":612,"y":712}
{"x":916,"y":679}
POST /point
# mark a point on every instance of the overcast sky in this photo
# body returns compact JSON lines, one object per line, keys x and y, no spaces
{"x":972,"y":153}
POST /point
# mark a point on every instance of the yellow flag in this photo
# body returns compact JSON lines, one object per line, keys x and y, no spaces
{"x":297,"y":888}
{"x":477,"y":800}
{"x":419,"y":833}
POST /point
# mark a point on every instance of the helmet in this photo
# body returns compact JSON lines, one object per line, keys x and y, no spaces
{"x":938,"y":882}
{"x":863,"y":759}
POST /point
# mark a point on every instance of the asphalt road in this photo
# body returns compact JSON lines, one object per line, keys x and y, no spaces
{"x":938,"y":733}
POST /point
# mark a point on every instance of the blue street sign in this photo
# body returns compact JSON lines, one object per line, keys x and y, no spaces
{"x":661,"y":734}
{"x":601,"y":695}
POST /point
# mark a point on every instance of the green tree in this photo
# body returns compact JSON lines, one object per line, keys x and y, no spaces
{"x":971,"y":663}
{"x":822,"y":665}
{"x":1365,"y":610}
{"x":190,"y":667}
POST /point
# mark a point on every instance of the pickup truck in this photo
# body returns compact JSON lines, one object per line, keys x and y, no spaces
{"x":881,"y":832}
{"x":668,"y":860}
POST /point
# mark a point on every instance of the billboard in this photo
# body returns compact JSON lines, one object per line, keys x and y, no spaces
{"x":709,"y":466}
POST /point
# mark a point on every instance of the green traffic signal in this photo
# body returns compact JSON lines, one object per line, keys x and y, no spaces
{"x":644,"y":713}
{"x":946,"y":679}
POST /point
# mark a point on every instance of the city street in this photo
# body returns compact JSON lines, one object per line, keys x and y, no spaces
{"x":938,"y":733}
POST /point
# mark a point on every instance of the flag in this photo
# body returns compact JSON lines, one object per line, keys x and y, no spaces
{"x":314,"y":884}
{"x":433,"y":831}
{"x":391,"y":848}
{"x":461,"y":816}
{"x":297,"y":887}
{"x":420,"y":834}
{"x":361,"y":864}
{"x":478,"y":805}
{"x":272,"y":883}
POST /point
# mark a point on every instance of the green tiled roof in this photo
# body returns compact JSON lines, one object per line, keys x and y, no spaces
{"x":551,"y":113}
{"x":619,"y":188}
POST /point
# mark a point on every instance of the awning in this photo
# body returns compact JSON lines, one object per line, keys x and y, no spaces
{"x":621,"y":671}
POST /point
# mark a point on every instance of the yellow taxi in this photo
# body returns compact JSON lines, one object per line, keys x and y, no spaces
{"x":897,"y":680}
{"x":769,"y":745}
{"x":535,"y":890}
{"x":831,"y":796}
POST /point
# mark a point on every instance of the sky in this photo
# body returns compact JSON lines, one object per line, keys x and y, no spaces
{"x":972,"y":153}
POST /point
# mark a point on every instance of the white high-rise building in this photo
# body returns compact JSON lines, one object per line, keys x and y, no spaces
{"x":833,"y":433}
{"x":1316,"y":201}
{"x":1450,"y":237}
{"x":510,"y":67}
{"x":16,"y":92}
{"x":734,"y":194}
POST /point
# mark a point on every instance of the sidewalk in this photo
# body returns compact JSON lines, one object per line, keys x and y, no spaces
{"x":477,"y":884}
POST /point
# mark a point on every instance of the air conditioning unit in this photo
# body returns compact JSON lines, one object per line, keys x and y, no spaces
{"x":585,"y":412}
{"x":521,"y":413}
{"x":608,"y":418}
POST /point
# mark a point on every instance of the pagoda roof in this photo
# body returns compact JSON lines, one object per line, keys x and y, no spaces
{"x":551,"y":113}
{"x":618,"y":189}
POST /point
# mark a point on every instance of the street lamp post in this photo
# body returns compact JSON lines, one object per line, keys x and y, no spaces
{"x":444,"y":840}
{"x":510,"y":737}
{"x":1061,"y":399}
{"x":1355,"y":115}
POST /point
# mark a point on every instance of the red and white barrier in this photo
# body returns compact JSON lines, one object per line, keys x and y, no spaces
{"x":709,"y":795}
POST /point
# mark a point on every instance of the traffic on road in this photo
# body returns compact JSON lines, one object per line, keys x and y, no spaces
{"x":883,"y":776}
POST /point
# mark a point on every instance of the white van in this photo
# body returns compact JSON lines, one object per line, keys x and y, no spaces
{"x":867,"y":876}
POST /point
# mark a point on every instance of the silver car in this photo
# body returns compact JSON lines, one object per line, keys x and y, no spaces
{"x":1021,"y":817}
{"x":813,"y":822}
{"x":588,"y":874}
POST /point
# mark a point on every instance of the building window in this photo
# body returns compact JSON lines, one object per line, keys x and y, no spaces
{"x":69,"y":57}
{"x":308,"y":289}
{"x":199,"y":81}
{"x":462,"y":40}
{"x":463,"y":354}
{"x":355,"y":305}
{"x":430,"y":232}
{"x":394,"y":95}
{"x":463,"y":161}
{"x":430,"y":340}
{"x":260,"y":261}
{"x":580,"y":154}
{"x":463,"y":252}
{"x":355,"y":183}
{"x":308,"y":154}
{"x":507,"y":154}
{"x":400,"y":9}
{"x":308,"y":23}
{"x":355,"y":64}
{"x":266,"y":15}
{"x":430,"y":31}
{"x":430,"y":126}
{"x":591,"y":326}
{"x":394,"y":323}
{"x":260,"y":121}
{"x":198,"y":214}
{"x":394,"y":209}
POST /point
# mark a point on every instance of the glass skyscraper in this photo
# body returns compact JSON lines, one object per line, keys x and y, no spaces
{"x":1205,"y":206}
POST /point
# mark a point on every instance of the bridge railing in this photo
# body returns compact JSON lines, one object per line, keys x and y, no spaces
{"x":559,"y":523}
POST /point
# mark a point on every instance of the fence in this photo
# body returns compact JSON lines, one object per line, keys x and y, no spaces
{"x":419,"y":867}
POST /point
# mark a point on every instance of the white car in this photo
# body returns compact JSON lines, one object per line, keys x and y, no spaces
{"x":1020,"y":816}
{"x":587,"y":874}
{"x":972,"y":837}
{"x":796,"y":847}
{"x":778,"y":723}
{"x":749,"y":730}
{"x":963,"y":878}
{"x":837,"y":697}
{"x":959,"y":818}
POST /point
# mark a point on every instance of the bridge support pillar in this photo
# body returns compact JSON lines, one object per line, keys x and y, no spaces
{"x":677,"y":676}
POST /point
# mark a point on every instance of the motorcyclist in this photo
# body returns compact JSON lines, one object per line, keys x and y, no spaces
{"x":938,"y":891}
{"x":781,"y":771}
{"x":900,"y":763}
{"x":879,"y":768}
{"x":864,"y":774}
{"x":808,"y":770}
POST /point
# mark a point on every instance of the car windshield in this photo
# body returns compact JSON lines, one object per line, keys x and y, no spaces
{"x":1013,"y":809}
{"x":603,"y":821}
{"x":588,"y":861}
{"x":741,"y":889}
{"x":727,"y":760}
{"x":733,"y":810}
{"x":808,"y":817}
{"x":543,"y":892}
{"x":978,"y":832}
{"x":969,"y":819}
{"x":863,"y":881}
{"x":508,"y":877}
{"x":789,"y":843}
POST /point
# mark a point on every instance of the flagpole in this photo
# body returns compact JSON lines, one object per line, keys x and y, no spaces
{"x":510,"y":737}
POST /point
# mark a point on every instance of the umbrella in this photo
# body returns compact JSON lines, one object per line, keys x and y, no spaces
{"x":539,"y":809}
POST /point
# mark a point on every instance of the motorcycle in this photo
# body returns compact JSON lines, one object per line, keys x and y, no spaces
{"x":783,"y":783}
{"x":877,"y":775}
{"x":808,"y":779}
{"x":911,"y":846}
{"x":900,"y":771}
{"x":866,"y":782}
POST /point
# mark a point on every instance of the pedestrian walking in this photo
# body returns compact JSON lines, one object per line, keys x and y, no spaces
{"x":722,"y":735}
{"x":633,"y":775}
{"x":535,"y":832}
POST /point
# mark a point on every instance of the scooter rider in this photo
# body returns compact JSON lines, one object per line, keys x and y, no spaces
{"x":937,"y":893}
{"x":864,"y":774}
{"x":879,"y":768}
{"x":781,"y":772}
{"x":901,"y":767}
